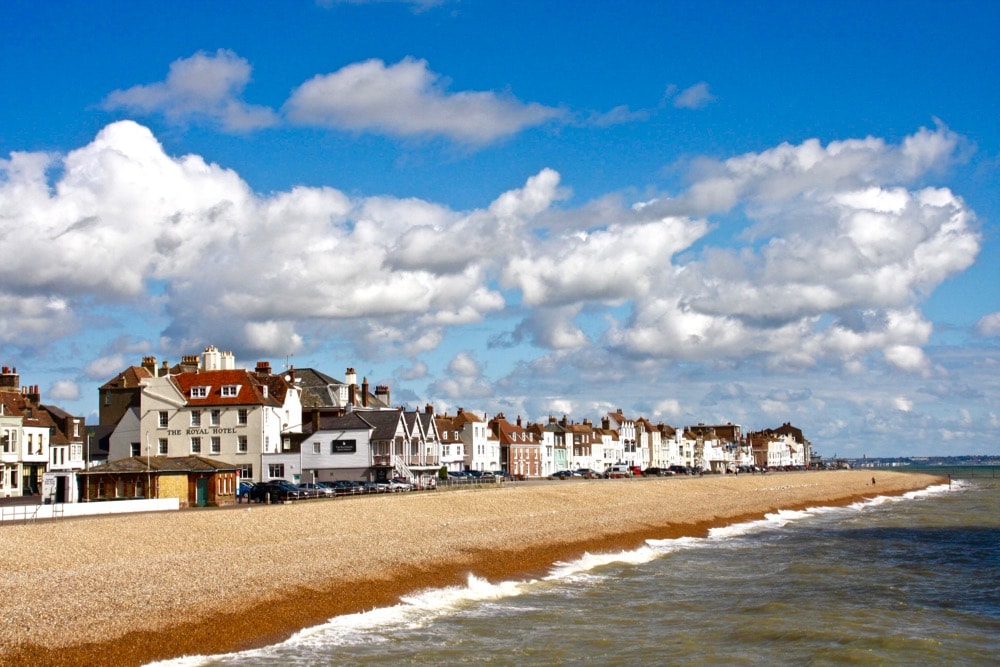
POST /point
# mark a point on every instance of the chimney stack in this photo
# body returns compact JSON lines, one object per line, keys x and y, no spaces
{"x":149,"y":363}
{"x":382,"y":393}
{"x":364,"y":392}
{"x":263,"y":368}
{"x":9,"y":379}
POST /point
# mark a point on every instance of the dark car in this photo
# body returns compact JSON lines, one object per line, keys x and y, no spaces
{"x":563,"y":474}
{"x":273,"y":491}
{"x":680,"y":470}
{"x":588,"y":473}
{"x":342,"y":487}
{"x":657,"y":472}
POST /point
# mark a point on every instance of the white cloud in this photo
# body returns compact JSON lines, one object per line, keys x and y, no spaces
{"x":902,"y":404}
{"x":204,"y":87}
{"x":836,"y":258}
{"x":106,"y":367}
{"x":64,"y":390}
{"x":694,"y":97}
{"x":407,"y":99}
{"x":989,"y":325}
{"x":464,"y":380}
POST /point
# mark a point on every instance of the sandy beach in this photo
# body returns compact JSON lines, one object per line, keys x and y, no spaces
{"x":126,"y":590}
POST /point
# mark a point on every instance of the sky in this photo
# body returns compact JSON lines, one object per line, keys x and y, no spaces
{"x":697,"y":212}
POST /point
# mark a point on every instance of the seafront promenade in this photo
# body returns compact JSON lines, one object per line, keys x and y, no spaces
{"x":125,"y":590}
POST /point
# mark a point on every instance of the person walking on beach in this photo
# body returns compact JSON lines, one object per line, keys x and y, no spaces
{"x":873,"y":481}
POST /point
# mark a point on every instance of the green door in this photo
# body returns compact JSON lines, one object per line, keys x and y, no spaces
{"x":201,"y":492}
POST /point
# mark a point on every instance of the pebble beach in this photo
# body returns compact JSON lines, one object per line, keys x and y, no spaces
{"x":131,"y":589}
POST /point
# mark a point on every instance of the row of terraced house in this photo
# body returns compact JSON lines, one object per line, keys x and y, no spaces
{"x":210,"y":425}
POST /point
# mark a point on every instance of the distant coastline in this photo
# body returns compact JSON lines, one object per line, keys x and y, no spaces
{"x":133,"y":589}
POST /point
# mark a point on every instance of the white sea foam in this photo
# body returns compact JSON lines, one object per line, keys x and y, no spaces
{"x":422,"y":608}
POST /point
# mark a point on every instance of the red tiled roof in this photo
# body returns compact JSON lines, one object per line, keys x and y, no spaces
{"x":249,"y":389}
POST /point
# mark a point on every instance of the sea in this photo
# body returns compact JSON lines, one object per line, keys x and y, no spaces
{"x":903,"y":580}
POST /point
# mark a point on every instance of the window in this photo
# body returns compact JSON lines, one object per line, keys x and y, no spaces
{"x":216,"y":444}
{"x":196,"y":418}
{"x":241,"y":444}
{"x":161,"y":447}
{"x":199,"y":392}
{"x":216,"y":415}
{"x":317,"y":447}
{"x":164,"y":417}
{"x":241,"y":417}
{"x":246,"y":471}
{"x":276,"y":470}
{"x":136,"y":450}
{"x":230,"y":390}
{"x":196,"y":445}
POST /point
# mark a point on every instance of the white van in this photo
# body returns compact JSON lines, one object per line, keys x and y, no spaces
{"x":619,"y":471}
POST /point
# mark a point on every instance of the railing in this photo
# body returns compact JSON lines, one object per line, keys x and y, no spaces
{"x":23,"y":513}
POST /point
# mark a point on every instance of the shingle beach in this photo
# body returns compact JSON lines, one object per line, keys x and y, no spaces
{"x":131,"y":589}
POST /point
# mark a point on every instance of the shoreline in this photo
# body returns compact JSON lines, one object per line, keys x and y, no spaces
{"x":314,"y":569}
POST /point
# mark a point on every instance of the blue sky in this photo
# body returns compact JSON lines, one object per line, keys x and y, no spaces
{"x":694,"y":211}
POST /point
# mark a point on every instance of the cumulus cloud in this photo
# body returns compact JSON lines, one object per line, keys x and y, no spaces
{"x":408,"y":99}
{"x":205,"y":87}
{"x":105,"y":367}
{"x":64,"y":390}
{"x":464,"y":379}
{"x":839,"y":249}
{"x":989,"y":325}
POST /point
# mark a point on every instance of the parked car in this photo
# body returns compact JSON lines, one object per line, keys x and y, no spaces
{"x":680,"y":470}
{"x":653,"y":471}
{"x":397,"y":485}
{"x":274,"y":491}
{"x":243,"y":492}
{"x":563,"y":474}
{"x":342,"y":487}
{"x":587,"y":473}
{"x":618,"y":471}
{"x":503,"y":475}
{"x":317,"y":489}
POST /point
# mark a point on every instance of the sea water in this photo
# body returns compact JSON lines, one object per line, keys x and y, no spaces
{"x":905,"y":580}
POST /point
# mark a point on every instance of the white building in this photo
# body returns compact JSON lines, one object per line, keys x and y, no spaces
{"x":226,"y":414}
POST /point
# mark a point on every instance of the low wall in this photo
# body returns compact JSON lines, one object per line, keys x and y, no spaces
{"x":65,"y":510}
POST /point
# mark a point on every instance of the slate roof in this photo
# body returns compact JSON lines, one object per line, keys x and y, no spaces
{"x":385,"y":422}
{"x":320,"y":390}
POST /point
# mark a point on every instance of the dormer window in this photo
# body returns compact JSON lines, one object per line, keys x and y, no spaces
{"x":199,"y":392}
{"x":230,"y":390}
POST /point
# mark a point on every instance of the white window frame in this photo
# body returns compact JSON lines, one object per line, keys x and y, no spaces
{"x":230,"y":390}
{"x":200,"y":392}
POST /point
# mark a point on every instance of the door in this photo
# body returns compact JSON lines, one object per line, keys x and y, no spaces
{"x":201,"y":492}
